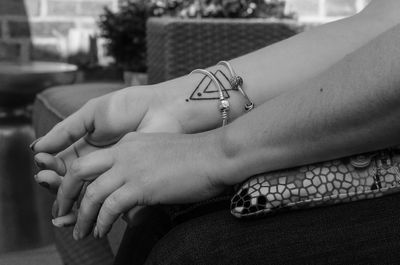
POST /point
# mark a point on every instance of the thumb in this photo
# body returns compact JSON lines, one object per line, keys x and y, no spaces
{"x":67,"y":131}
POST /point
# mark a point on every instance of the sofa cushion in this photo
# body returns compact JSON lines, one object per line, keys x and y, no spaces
{"x":55,"y":104}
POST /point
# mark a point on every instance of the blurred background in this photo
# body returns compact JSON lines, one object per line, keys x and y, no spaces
{"x":85,"y":48}
{"x":70,"y":30}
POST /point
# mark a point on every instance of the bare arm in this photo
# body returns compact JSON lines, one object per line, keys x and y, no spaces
{"x":281,"y":67}
{"x":349,"y":104}
{"x":169,"y":107}
{"x":353,"y":107}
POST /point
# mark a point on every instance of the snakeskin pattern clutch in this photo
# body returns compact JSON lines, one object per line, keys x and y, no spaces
{"x":349,"y":179}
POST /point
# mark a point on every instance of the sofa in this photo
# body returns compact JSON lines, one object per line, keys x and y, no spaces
{"x":174,"y":48}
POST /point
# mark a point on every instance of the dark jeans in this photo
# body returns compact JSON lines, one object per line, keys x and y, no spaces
{"x":364,"y":232}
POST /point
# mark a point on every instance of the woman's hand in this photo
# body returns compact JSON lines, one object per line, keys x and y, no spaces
{"x":103,"y":121}
{"x":141,"y":169}
{"x":52,"y":172}
{"x":54,"y":168}
{"x":106,"y":119}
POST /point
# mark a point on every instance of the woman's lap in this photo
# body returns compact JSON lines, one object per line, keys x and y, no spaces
{"x":365,"y":232}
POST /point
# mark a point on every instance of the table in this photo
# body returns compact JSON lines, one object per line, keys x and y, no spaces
{"x":20,"y":82}
{"x":22,"y":206}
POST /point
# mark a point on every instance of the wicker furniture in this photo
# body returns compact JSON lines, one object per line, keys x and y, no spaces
{"x":177,"y":46}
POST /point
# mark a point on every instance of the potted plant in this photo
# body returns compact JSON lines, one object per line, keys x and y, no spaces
{"x":221,"y":8}
{"x":125,"y":32}
{"x":125,"y":29}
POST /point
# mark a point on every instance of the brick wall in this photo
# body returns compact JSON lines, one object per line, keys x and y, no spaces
{"x":47,"y":29}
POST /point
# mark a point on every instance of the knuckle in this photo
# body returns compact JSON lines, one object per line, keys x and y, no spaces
{"x":62,"y":195}
{"x":75,"y":168}
{"x":60,"y":192}
{"x":108,"y":210}
{"x":91,"y":102}
{"x":59,"y":127}
{"x":101,"y":221}
{"x":117,"y":154}
{"x":83,"y":213}
{"x":111,"y":205}
{"x":62,"y":128}
{"x":119,"y":99}
{"x":91,"y":193}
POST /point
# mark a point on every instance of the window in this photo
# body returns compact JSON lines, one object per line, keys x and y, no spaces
{"x":324,"y":10}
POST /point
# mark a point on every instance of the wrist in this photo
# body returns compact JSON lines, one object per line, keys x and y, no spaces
{"x":218,"y":164}
{"x":193,"y":99}
{"x":244,"y":153}
{"x":225,"y":164}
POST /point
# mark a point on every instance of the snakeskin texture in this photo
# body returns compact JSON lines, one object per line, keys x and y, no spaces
{"x":343,"y":180}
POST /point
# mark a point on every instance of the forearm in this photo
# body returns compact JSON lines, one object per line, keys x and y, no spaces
{"x":275,"y":69}
{"x":353,"y":107}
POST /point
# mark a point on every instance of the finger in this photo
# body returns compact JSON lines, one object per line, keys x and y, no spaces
{"x":66,"y":220}
{"x":104,"y":142}
{"x":135,"y":216}
{"x":94,"y":196}
{"x":68,"y":131}
{"x":49,"y":180}
{"x":54,"y":209}
{"x":85,"y":168}
{"x":81,"y":194}
{"x":50,"y":162}
{"x":117,"y":203}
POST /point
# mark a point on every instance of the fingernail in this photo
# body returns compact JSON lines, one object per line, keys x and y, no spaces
{"x":75,"y":234}
{"x":81,"y":234}
{"x":32,"y":145}
{"x":100,"y":233}
{"x":95,"y":232}
{"x":57,"y":223}
{"x":59,"y":211}
{"x":54,"y":209}
{"x":40,"y":165}
{"x":44,"y":185}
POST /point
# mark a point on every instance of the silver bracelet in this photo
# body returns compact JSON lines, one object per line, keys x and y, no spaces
{"x":223,"y":105}
{"x":236,"y":83}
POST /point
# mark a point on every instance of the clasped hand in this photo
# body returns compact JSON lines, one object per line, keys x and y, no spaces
{"x":140,"y":169}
